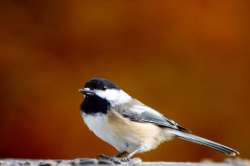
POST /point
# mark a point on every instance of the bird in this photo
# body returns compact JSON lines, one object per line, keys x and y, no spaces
{"x":130,"y":126}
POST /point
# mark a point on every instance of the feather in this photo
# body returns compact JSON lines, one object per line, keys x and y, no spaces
{"x":202,"y":141}
{"x":138,"y":112}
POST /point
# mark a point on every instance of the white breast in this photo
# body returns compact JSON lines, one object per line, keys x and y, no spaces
{"x":99,"y":125}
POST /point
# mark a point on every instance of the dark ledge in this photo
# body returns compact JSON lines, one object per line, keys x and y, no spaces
{"x":136,"y":161}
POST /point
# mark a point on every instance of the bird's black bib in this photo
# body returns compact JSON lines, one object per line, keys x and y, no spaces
{"x":94,"y":104}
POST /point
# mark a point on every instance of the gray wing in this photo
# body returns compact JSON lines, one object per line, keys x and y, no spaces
{"x":138,"y":112}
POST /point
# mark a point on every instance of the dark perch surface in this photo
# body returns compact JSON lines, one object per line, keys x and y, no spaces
{"x":136,"y":161}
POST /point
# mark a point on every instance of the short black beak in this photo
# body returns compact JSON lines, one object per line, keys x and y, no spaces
{"x":86,"y":91}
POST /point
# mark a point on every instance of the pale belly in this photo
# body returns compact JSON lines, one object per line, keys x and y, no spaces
{"x":124,"y":134}
{"x":100,"y":126}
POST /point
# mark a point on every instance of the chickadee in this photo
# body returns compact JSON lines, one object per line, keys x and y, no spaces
{"x":129,"y":125}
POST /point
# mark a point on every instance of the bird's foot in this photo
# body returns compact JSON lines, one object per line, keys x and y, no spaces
{"x":125,"y":159}
{"x":130,"y":161}
{"x":105,"y":159}
{"x":103,"y":156}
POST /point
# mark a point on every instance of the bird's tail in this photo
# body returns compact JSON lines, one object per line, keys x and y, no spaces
{"x":199,"y":140}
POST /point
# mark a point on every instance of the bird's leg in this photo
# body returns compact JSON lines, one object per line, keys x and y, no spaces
{"x":108,"y":159}
{"x":130,"y":155}
{"x":116,"y":159}
{"x":121,"y":154}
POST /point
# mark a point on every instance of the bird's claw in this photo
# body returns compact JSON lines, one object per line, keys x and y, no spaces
{"x":103,"y":156}
{"x":124,"y":159}
{"x":114,"y":159}
{"x":107,"y":159}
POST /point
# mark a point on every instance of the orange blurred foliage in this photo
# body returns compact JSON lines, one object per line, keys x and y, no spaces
{"x":188,"y":59}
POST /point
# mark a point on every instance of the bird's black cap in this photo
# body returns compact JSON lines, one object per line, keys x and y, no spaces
{"x":100,"y":83}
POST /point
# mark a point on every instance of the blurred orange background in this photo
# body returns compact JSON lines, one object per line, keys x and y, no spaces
{"x":188,"y":59}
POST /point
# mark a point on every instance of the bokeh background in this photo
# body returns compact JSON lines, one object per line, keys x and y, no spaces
{"x":188,"y":59}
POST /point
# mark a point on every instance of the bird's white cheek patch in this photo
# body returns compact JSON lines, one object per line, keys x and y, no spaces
{"x":108,"y":94}
{"x":114,"y":96}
